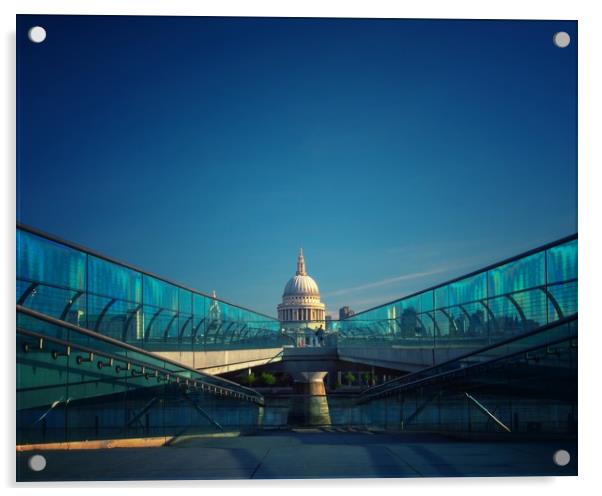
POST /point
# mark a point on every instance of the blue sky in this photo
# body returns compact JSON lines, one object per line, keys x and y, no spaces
{"x":398,"y":153}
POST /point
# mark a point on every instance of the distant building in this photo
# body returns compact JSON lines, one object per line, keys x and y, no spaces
{"x":345,"y":312}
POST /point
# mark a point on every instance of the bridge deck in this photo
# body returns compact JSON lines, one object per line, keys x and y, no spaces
{"x":309,"y":453}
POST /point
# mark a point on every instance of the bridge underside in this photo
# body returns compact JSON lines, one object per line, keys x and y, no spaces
{"x":298,"y":361}
{"x":294,"y":360}
{"x":218,"y":362}
{"x":403,"y":359}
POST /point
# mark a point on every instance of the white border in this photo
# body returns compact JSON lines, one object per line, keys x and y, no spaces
{"x":590,"y":216}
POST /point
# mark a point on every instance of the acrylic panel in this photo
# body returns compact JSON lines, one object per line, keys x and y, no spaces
{"x":295,"y":248}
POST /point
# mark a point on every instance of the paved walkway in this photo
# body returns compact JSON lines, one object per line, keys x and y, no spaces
{"x":305,"y":454}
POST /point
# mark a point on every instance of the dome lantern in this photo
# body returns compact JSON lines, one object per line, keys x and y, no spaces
{"x":301,"y":264}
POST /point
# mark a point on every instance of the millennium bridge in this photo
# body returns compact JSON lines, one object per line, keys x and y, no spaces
{"x":109,"y":355}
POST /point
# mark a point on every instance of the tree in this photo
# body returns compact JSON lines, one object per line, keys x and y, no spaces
{"x":349,"y":378}
{"x":366,"y":378}
{"x":268,"y":379}
{"x":251,"y":379}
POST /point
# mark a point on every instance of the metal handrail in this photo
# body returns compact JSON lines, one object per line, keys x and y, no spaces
{"x":101,"y":337}
{"x":446,"y":373}
{"x":486,"y":411}
{"x":394,"y":384}
{"x":146,"y":370}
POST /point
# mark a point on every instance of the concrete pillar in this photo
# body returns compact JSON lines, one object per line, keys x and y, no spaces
{"x":309,"y":406}
{"x":311,"y":383}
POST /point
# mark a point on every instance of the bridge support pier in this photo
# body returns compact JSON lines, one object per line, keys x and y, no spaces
{"x":309,"y":406}
{"x":309,"y":383}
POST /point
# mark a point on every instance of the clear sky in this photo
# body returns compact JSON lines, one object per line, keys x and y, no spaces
{"x":398,"y":153}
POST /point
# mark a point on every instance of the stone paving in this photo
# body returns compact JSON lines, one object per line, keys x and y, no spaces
{"x":305,"y":454}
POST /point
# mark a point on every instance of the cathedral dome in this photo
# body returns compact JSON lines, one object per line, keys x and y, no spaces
{"x":301,"y":286}
{"x":301,"y":305}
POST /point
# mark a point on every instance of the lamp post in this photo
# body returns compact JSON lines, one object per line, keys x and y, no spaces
{"x":80,"y":313}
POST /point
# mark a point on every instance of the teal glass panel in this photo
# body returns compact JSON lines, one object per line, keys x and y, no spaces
{"x":160,"y":293}
{"x":185,"y":301}
{"x":230,"y":313}
{"x":120,"y":319}
{"x":42,"y":327}
{"x":159,"y":326}
{"x":383,"y":313}
{"x":562,"y":262}
{"x":519,"y":275}
{"x":427,"y":324}
{"x":444,"y":325}
{"x":475,"y":320}
{"x":507,"y":320}
{"x":534,"y":308}
{"x":442,"y":297}
{"x":412,"y":304}
{"x":466,"y":290}
{"x":199,"y":320}
{"x":51,"y":278}
{"x":115,"y":281}
{"x":44,"y":261}
{"x":460,"y":322}
{"x":185,"y":320}
{"x":64,"y":304}
{"x":413,"y":322}
{"x":427,"y":301}
{"x":565,"y":298}
{"x":160,"y":310}
{"x":114,"y":299}
{"x":215,"y":323}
